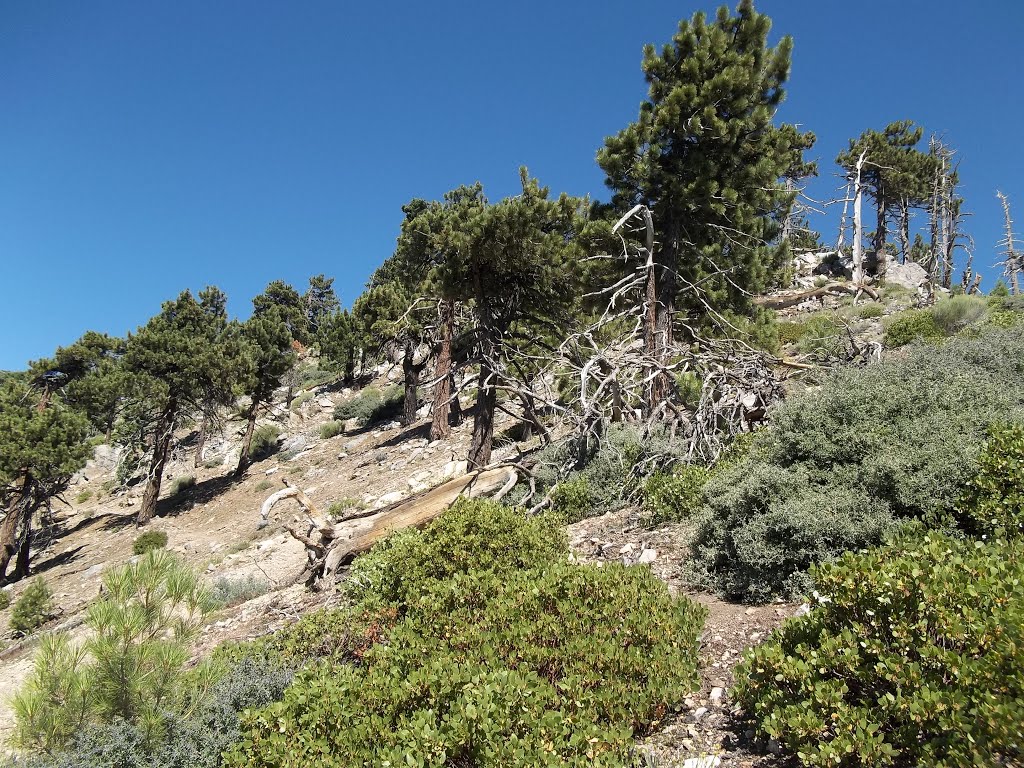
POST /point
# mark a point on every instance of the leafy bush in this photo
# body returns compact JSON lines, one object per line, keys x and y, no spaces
{"x":181,"y":483}
{"x":993,"y":501}
{"x":32,"y":608}
{"x":909,"y":656}
{"x":83,"y":496}
{"x":473,"y":535}
{"x":263,"y":484}
{"x":958,"y":312}
{"x":331,"y":429}
{"x":870,"y":311}
{"x":789,"y":332}
{"x":132,"y":667}
{"x":478,"y":643}
{"x":264,"y":441}
{"x":148,"y":541}
{"x":913,"y":325}
{"x":672,"y":497}
{"x":372,"y":405}
{"x":5,"y":600}
{"x":839,"y":466}
{"x":301,"y":399}
{"x":571,"y":500}
{"x":228,"y":592}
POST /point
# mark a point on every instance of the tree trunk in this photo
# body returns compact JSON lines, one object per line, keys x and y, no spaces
{"x":244,"y":459}
{"x":204,"y":427}
{"x":21,"y":570}
{"x":877,"y":262}
{"x":9,"y":543}
{"x":439,"y":427}
{"x":483,"y":421}
{"x":456,"y":415}
{"x":664,"y":309}
{"x":161,"y":447}
{"x":411,"y":373}
{"x":905,"y":230}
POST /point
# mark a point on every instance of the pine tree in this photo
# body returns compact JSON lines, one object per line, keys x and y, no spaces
{"x":340,"y":342}
{"x":267,"y":355}
{"x":706,"y":159}
{"x":181,"y":364}
{"x":320,"y":303}
{"x":290,"y":305}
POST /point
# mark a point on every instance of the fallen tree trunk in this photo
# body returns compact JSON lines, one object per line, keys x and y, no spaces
{"x":830,"y":289}
{"x":327,"y":551}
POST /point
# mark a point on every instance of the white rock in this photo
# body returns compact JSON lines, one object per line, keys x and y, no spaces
{"x":699,"y":713}
{"x":325,"y":403}
{"x":351,"y":445}
{"x":271,"y":471}
{"x":909,"y":275}
{"x":627,"y":548}
{"x":648,"y":556}
{"x":389,"y":498}
{"x":717,"y":694}
{"x":706,"y":761}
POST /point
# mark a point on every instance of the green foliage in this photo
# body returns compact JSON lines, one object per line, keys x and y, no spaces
{"x":993,"y":501}
{"x":822,"y":334}
{"x":5,"y":600}
{"x":371,"y":405}
{"x":263,"y":484}
{"x":32,"y":608}
{"x":910,"y":655}
{"x":132,"y":666}
{"x":571,"y":499}
{"x":148,"y":541}
{"x":496,"y":652}
{"x":83,"y":496}
{"x":180,"y":484}
{"x":228,"y":592}
{"x":958,"y":312}
{"x":839,"y":466}
{"x":302,"y":398}
{"x":331,"y":429}
{"x":284,"y":301}
{"x":704,"y":151}
{"x":670,"y":497}
{"x":913,"y":325}
{"x":264,"y":441}
{"x":195,"y":740}
{"x":870,"y":311}
{"x":789,"y":332}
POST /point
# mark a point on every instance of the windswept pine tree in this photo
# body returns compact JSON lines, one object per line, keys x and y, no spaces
{"x":706,"y":158}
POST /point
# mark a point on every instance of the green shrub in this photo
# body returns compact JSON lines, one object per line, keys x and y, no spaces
{"x":5,"y":600}
{"x":840,"y":466}
{"x":958,"y":312}
{"x":913,"y":325}
{"x":132,"y":666}
{"x":32,"y":608}
{"x":301,"y":399}
{"x":870,"y":311}
{"x":264,"y":441}
{"x":263,"y":484}
{"x":338,"y":508}
{"x":228,"y":592}
{"x":372,"y":405}
{"x":570,"y":499}
{"x":993,"y":501}
{"x":673,"y":497}
{"x":911,"y":655}
{"x":823,"y":334}
{"x":473,"y":535}
{"x":148,"y":541}
{"x":789,"y":332}
{"x":83,"y":496}
{"x":560,"y":666}
{"x":181,"y":483}
{"x":331,"y":429}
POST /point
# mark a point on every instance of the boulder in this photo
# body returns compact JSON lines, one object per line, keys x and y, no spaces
{"x":909,"y":275}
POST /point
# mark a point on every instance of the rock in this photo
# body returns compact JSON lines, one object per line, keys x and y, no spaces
{"x":325,"y":403}
{"x":909,"y":275}
{"x":706,"y":761}
{"x":231,"y":458}
{"x":717,"y":694}
{"x":627,"y":548}
{"x":454,"y":469}
{"x":295,"y":444}
{"x":354,"y":443}
{"x":774,"y":747}
{"x":95,"y":570}
{"x":351,"y":425}
{"x":388,"y":498}
{"x":648,"y":556}
{"x":106,"y":456}
{"x":271,"y":471}
{"x":423,"y":411}
{"x":699,"y":713}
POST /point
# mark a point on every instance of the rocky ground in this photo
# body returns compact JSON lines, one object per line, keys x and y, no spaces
{"x":213,"y":526}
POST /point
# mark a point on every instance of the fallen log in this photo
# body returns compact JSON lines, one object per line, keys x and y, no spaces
{"x":328,"y":553}
{"x":829,"y":289}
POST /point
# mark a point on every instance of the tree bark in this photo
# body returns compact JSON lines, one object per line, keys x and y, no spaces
{"x":664,"y":307}
{"x":244,"y":459}
{"x":19,"y":509}
{"x":161,"y":447}
{"x":905,"y":230}
{"x":204,"y":427}
{"x":411,"y":373}
{"x":877,"y":262}
{"x":483,"y":421}
{"x":439,"y":427}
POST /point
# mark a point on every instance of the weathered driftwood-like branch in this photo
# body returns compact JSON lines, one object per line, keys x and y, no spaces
{"x":327,"y":553}
{"x":829,"y":289}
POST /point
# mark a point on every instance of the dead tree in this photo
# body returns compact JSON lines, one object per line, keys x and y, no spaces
{"x":1013,"y":259}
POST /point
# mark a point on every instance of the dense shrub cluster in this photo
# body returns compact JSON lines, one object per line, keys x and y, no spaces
{"x":371,"y":405}
{"x":840,"y":466}
{"x":32,"y":608}
{"x":911,"y":655}
{"x":148,"y":541}
{"x":913,"y":325}
{"x":957,"y":314}
{"x":264,"y":441}
{"x":675,"y":495}
{"x":497,"y":652}
{"x":993,"y":501}
{"x":331,"y":429}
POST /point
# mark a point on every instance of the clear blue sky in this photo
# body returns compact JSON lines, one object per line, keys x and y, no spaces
{"x":150,"y":147}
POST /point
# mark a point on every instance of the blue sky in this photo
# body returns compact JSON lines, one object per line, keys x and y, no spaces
{"x":146,"y":148}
